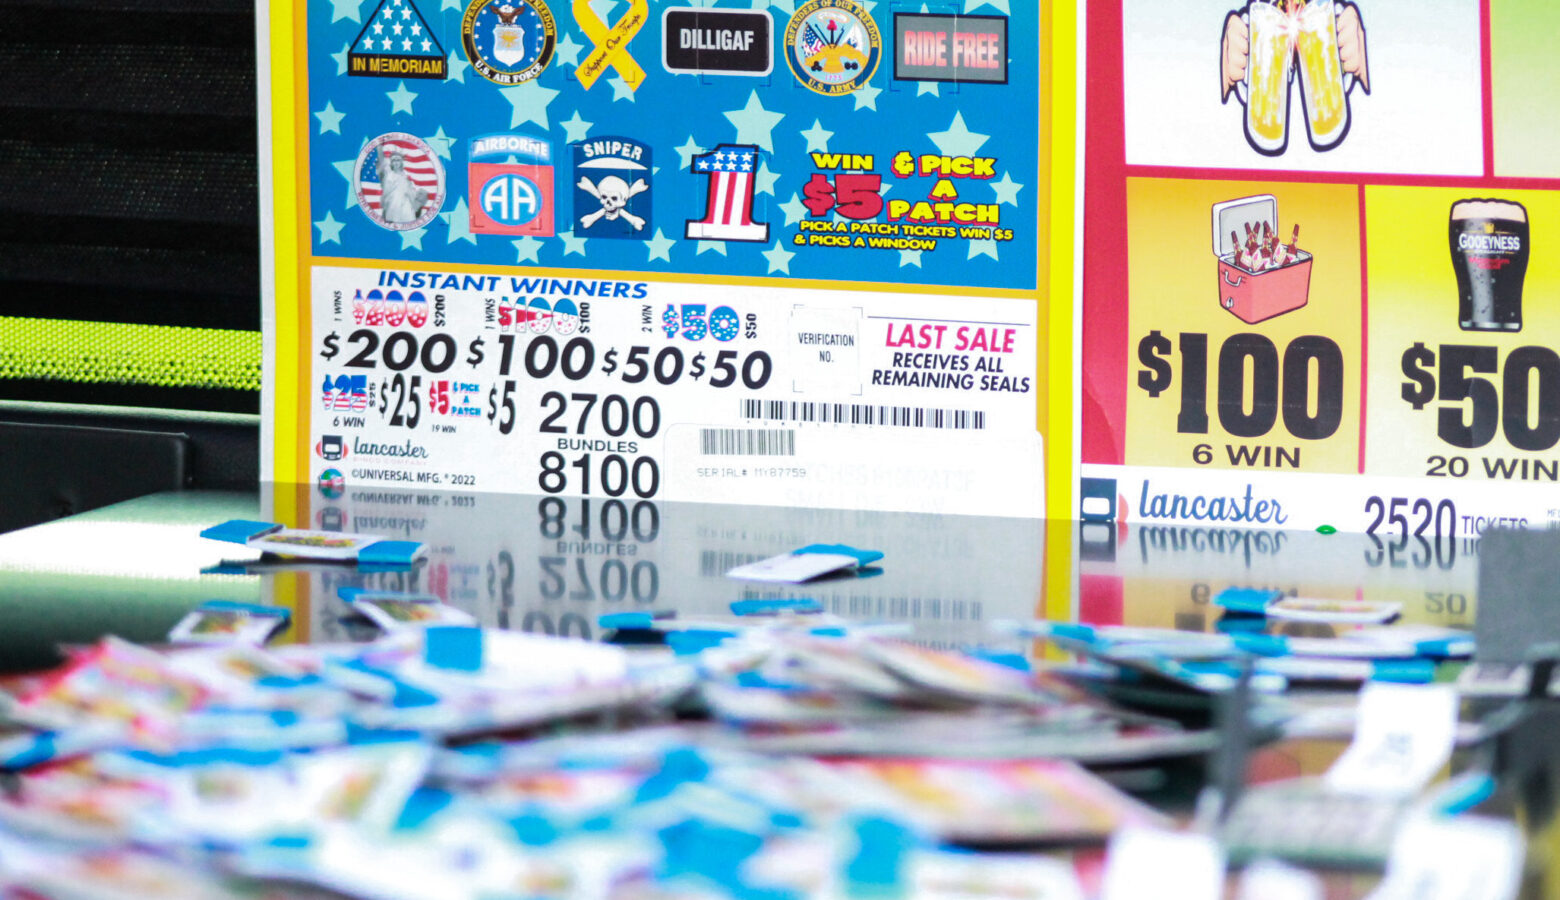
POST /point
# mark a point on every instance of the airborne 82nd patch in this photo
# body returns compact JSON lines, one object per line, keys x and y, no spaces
{"x":511,"y":183}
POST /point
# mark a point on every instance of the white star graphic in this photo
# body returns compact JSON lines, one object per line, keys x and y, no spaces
{"x":1007,"y":189}
{"x":999,"y":5}
{"x":779,"y":258}
{"x":459,"y":220}
{"x":458,"y":66}
{"x":576,"y":128}
{"x":688,"y":151}
{"x":717,"y":246}
{"x":567,"y":51}
{"x":330,"y":119}
{"x":346,"y":9}
{"x":527,"y":249}
{"x":794,"y":210}
{"x":660,"y":247}
{"x":413,"y":239}
{"x":983,"y":248}
{"x":909,"y":258}
{"x":330,"y":229}
{"x":572,"y":244}
{"x":754,"y":123}
{"x":341,"y":59}
{"x":764,"y":180}
{"x":817,"y":138}
{"x":866,"y":97}
{"x":958,"y":140}
{"x":401,"y":99}
{"x":530,"y":101}
{"x":348,"y":170}
{"x":621,"y":90}
{"x":441,"y":143}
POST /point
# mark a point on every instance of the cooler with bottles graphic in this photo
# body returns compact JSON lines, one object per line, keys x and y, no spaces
{"x":1260,"y":275}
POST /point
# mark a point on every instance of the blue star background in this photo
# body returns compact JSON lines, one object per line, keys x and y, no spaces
{"x":681,"y":116}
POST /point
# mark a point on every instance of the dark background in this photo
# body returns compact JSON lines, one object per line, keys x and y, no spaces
{"x":128,"y":194}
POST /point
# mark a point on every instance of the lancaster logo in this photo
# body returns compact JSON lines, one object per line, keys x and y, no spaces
{"x":330,"y":448}
{"x":404,"y":450}
{"x":717,"y":42}
{"x":1208,"y":508}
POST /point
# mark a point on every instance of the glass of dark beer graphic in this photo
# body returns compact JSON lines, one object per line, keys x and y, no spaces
{"x":1489,"y":241}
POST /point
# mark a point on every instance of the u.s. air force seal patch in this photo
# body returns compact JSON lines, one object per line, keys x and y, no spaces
{"x":508,"y":41}
{"x":832,"y":46}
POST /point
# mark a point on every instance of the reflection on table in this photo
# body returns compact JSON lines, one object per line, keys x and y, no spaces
{"x":554,"y":565}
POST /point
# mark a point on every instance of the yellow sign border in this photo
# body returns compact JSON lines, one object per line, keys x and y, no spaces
{"x":1054,"y":200}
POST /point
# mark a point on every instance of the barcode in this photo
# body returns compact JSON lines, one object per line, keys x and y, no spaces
{"x":863,"y":414}
{"x":719,"y":562}
{"x":747,"y":442}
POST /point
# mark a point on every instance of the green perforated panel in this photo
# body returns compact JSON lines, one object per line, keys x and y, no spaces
{"x":115,"y":353}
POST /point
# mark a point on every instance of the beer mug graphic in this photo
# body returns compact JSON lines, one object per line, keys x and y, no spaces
{"x":1489,"y":243}
{"x":1265,"y":90}
{"x":1285,"y":41}
{"x":1323,"y":87}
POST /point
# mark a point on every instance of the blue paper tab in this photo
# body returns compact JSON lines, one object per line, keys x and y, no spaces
{"x":1070,"y":631}
{"x":878,"y":867}
{"x":455,"y":647}
{"x":632,"y":621}
{"x":424,"y":803}
{"x":26,"y":751}
{"x":239,"y":531}
{"x":1403,"y":671}
{"x":534,"y":829}
{"x":696,"y":640}
{"x":1005,"y":658}
{"x":1246,"y":600}
{"x":1260,"y":644}
{"x":1463,"y":793}
{"x":390,"y":553}
{"x":771,"y":607}
{"x":1446,"y":648}
{"x":255,"y":609}
{"x":863,"y":557}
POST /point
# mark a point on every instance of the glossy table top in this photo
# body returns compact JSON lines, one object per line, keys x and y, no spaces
{"x":555,"y":565}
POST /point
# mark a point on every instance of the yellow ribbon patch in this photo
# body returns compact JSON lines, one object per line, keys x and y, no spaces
{"x":611,"y":44}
